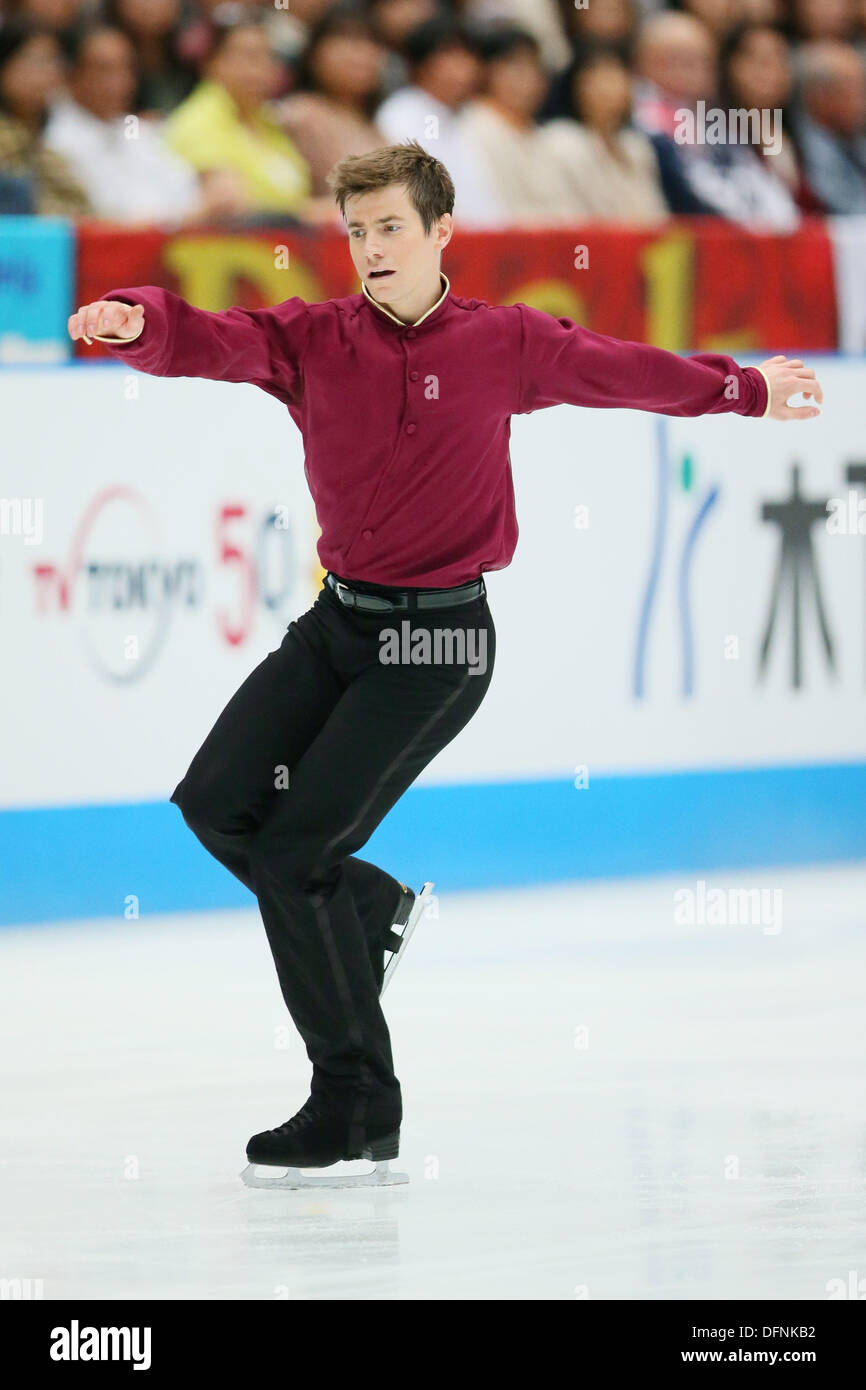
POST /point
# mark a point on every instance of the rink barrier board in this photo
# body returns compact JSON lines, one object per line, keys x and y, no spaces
{"x":102,"y":861}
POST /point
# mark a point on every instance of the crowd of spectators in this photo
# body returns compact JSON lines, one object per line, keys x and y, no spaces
{"x":201,"y":112}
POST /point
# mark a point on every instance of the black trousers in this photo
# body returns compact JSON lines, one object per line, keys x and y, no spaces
{"x":349,"y":731}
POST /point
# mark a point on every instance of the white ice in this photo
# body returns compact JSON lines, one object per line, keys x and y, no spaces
{"x":599,"y":1102}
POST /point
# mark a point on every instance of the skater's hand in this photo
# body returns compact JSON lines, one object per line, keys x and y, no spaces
{"x":789,"y":378}
{"x":108,"y":317}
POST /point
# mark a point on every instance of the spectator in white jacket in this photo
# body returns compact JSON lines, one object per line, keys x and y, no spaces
{"x":445,"y":72}
{"x":128,"y":172}
{"x":502,"y":128}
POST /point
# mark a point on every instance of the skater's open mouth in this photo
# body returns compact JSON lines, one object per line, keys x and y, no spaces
{"x":379,"y":274}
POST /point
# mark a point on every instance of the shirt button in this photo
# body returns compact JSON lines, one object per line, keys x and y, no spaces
{"x":368,"y":535}
{"x":411,"y":333}
{"x":413,"y":376}
{"x":410,"y":429}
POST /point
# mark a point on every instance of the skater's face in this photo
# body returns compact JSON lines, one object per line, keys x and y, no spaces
{"x":392,"y":253}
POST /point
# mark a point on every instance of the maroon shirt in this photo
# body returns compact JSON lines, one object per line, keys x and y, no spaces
{"x":406,"y":428}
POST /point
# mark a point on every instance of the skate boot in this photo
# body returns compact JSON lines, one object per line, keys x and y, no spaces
{"x":410,"y":910}
{"x":316,"y":1138}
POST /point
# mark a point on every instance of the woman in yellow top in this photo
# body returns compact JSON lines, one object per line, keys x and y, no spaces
{"x":226,"y":124}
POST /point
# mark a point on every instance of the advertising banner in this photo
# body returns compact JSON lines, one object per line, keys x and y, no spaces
{"x":688,"y":285}
{"x":36,"y":283}
{"x":680,"y":672}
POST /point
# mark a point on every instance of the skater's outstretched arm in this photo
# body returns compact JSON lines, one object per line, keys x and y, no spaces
{"x":561,"y":362}
{"x":158,"y":332}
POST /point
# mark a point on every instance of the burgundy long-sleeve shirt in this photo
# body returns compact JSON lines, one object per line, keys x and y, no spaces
{"x":406,"y":427}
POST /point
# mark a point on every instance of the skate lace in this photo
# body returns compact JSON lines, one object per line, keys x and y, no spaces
{"x":305,"y":1116}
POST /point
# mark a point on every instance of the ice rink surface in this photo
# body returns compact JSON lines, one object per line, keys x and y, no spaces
{"x":599,"y":1102}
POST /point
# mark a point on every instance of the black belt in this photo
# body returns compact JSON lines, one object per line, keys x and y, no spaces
{"x":393,"y":599}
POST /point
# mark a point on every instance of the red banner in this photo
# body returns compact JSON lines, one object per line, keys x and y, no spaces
{"x":690,"y":285}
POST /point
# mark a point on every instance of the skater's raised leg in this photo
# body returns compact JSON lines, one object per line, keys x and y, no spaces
{"x":231,"y":785}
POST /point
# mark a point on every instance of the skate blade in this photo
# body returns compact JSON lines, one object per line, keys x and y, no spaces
{"x":419,"y":907}
{"x":287,"y":1179}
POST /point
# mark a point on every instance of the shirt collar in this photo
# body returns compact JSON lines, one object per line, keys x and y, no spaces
{"x":393,"y":317}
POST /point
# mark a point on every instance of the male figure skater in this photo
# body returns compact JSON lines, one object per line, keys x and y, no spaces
{"x":403,"y":394}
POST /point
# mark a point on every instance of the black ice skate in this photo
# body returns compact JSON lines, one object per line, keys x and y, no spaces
{"x":410,"y":910}
{"x":315,"y":1138}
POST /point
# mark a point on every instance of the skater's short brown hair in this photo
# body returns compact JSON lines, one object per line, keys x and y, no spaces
{"x":427,"y":181}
